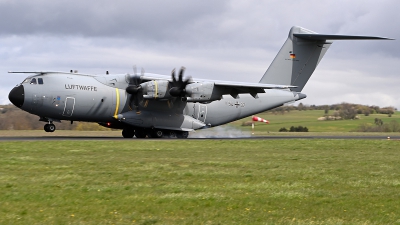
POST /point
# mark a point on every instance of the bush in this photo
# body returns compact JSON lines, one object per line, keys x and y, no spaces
{"x":392,"y":126}
{"x":294,"y":129}
{"x":348,"y":111}
{"x":283,"y":129}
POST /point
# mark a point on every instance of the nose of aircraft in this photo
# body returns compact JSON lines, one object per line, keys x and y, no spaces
{"x":17,"y":96}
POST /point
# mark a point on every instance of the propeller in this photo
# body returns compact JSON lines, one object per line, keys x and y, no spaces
{"x":135,"y":90}
{"x":178,"y":86}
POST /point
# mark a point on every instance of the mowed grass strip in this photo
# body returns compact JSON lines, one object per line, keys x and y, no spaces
{"x":200,"y":182}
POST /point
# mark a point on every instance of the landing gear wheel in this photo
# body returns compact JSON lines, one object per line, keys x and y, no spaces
{"x":49,"y":127}
{"x":46,"y":128}
{"x":172,"y":134}
{"x":158,"y":134}
{"x":183,"y":134}
{"x":140,"y":133}
{"x":128,"y":133}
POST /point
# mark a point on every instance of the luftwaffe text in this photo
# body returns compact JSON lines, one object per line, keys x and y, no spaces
{"x":80,"y":87}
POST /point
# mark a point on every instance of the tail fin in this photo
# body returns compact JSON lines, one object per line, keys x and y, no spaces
{"x":300,"y":55}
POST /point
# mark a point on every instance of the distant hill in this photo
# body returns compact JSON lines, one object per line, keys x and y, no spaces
{"x":307,"y":116}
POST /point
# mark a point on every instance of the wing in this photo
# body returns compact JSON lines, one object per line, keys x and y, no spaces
{"x":225,"y":87}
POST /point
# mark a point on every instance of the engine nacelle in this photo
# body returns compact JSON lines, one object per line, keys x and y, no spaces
{"x":155,"y":89}
{"x":202,"y":92}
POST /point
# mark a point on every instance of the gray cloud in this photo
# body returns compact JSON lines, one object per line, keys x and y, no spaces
{"x":156,"y":19}
{"x":227,"y":40}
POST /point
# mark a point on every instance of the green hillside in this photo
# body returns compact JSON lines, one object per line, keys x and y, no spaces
{"x":309,"y":119}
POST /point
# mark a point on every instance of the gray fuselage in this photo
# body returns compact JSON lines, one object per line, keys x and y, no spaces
{"x":77,"y":97}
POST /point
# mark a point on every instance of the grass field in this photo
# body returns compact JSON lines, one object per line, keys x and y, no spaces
{"x":309,"y":119}
{"x":200,"y":182}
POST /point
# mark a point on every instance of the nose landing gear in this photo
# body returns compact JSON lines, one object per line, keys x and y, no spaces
{"x":49,"y":127}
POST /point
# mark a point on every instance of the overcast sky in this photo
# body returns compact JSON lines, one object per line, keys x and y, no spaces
{"x":226,"y":40}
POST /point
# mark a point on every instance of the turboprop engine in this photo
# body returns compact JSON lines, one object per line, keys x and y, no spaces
{"x":202,"y":92}
{"x":156,"y":89}
{"x":194,"y":92}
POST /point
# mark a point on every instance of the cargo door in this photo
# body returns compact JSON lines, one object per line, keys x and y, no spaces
{"x":203,"y":112}
{"x":200,"y":112}
{"x":69,"y":106}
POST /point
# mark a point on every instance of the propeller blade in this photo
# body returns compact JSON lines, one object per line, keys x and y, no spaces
{"x":173,"y":77}
{"x":175,"y":91}
{"x":181,"y":71}
{"x":135,"y":90}
{"x":178,"y":86}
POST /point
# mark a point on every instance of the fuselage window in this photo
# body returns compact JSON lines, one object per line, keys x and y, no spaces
{"x":40,"y":80}
{"x":33,"y":81}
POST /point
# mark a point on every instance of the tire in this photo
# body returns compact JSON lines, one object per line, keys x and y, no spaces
{"x":140,"y":133}
{"x":128,"y":133}
{"x":172,"y":134}
{"x":51,"y":127}
{"x":183,"y":134}
{"x":46,"y":128}
{"x":158,"y":134}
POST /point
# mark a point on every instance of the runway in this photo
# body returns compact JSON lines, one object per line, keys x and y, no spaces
{"x":114,"y":138}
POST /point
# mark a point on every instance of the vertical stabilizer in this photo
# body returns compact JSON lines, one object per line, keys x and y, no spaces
{"x":300,"y":55}
{"x":296,"y":60}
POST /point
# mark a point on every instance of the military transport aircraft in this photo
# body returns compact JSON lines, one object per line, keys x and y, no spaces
{"x":155,"y":106}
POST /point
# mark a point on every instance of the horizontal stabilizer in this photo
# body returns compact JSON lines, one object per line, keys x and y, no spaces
{"x":320,"y":37}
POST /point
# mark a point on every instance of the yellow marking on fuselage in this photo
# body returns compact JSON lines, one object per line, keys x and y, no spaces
{"x":117,"y":104}
{"x":156,"y":94}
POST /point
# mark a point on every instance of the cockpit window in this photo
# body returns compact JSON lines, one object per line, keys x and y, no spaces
{"x":26,"y":80}
{"x":33,"y":81}
{"x":40,"y":80}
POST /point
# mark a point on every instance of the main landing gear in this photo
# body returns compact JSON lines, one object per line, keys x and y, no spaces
{"x":128,"y":133}
{"x":49,"y":127}
{"x":154,"y":133}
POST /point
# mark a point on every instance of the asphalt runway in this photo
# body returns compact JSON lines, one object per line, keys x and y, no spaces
{"x":113,"y":138}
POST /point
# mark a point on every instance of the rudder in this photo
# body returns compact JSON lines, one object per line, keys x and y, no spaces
{"x":296,"y":60}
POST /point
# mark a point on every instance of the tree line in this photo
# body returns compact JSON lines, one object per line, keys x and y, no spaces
{"x":344,"y":110}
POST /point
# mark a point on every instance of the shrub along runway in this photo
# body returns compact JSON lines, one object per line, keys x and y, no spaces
{"x":254,"y":181}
